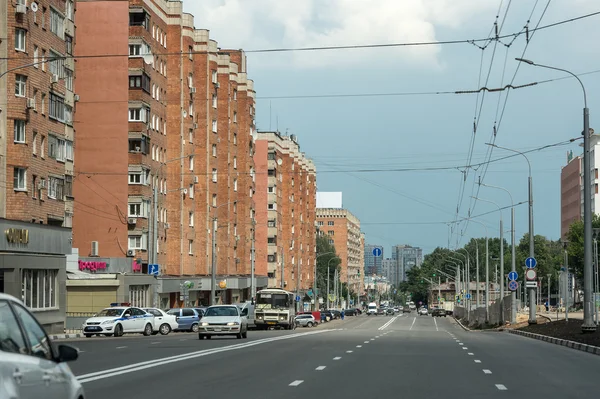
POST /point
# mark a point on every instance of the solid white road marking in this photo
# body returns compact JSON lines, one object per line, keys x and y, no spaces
{"x":154,"y":343}
{"x":320,"y":368}
{"x":337,"y":358}
{"x":501,"y":387}
{"x":477,"y":361}
{"x":121,"y":347}
{"x":413,"y":323}
{"x":436,"y":327}
{"x":296,"y":383}
{"x":487,"y":371}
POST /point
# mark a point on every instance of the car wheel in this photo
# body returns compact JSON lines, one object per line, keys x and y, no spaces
{"x":201,"y":337}
{"x":195,"y":327}
{"x":208,"y":336}
{"x":88,"y":335}
{"x":118,"y":330}
{"x":148,"y":330}
{"x":245,"y":333}
{"x":239,"y":336}
{"x":164,"y":329}
{"x":309,"y":324}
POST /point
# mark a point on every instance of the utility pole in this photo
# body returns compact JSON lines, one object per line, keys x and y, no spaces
{"x":253,"y":264}
{"x":513,"y":267}
{"x":501,"y":269}
{"x":282,"y":269}
{"x":213,"y":277}
{"x":477,"y":272}
{"x":549,"y":277}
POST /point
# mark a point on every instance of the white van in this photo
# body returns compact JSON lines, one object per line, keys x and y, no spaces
{"x":247,"y":309}
{"x":372,"y":309}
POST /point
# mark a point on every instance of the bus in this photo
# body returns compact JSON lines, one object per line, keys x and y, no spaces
{"x":275,"y":308}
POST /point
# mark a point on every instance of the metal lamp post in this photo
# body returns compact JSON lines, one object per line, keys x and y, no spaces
{"x":487,"y":269}
{"x":588,"y":270}
{"x":513,"y":295}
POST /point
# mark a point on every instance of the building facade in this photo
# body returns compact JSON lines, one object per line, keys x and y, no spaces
{"x":373,"y":264}
{"x":168,"y":150}
{"x":342,"y":229}
{"x":285,"y":202}
{"x":37,"y":153}
{"x":406,"y":258}
{"x":571,"y":189}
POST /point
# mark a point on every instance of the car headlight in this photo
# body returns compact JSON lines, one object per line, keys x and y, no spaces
{"x":204,"y":324}
{"x":233,"y":323}
{"x":282,"y":318}
{"x":108,"y":322}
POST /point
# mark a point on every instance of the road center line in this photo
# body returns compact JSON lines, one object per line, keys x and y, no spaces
{"x":296,"y":383}
{"x":348,"y":351}
{"x":470,"y":353}
{"x":464,"y":347}
{"x":359,"y":346}
{"x":487,"y":371}
{"x":501,"y":387}
{"x":366,"y":342}
{"x":477,"y":361}
{"x":413,"y":323}
{"x":320,"y":368}
{"x":121,"y":347}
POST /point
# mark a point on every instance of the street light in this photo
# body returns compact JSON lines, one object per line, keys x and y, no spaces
{"x":315,"y":296}
{"x":468,"y":279}
{"x":532,"y":316}
{"x":501,"y":255}
{"x":487,"y":270}
{"x":588,"y":270}
{"x":513,"y":295}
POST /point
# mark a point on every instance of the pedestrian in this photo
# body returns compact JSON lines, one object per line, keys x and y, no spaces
{"x":342,"y":314}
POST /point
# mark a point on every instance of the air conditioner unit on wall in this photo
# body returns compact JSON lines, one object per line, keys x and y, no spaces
{"x":54,"y":78}
{"x":130,"y":253}
{"x":31,"y":103}
{"x":131,"y":221}
{"x":192,"y":90}
{"x":21,"y":9}
{"x":94,"y":251}
{"x":196,"y":180}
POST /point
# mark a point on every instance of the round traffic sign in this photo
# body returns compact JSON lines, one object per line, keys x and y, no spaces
{"x":513,"y":285}
{"x":530,"y":274}
{"x":530,"y":263}
{"x":512,"y":276}
{"x":377,"y":252}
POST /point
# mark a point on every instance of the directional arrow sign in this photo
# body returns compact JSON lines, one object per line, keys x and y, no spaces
{"x":530,"y":275}
{"x":513,"y":276}
{"x":513,"y":285}
{"x":468,"y":296}
{"x":376,"y":252}
{"x":530,"y":263}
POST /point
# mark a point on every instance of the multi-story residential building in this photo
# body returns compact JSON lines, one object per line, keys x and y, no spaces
{"x":391,"y":271}
{"x":342,"y":229}
{"x":185,"y":145}
{"x":372,"y":263}
{"x":36,"y":153}
{"x":406,"y":258}
{"x":285,"y":203}
{"x":571,"y":197}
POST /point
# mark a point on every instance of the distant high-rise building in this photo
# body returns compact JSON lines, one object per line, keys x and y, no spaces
{"x":406,"y":257}
{"x":390,"y":270}
{"x":373,"y":263}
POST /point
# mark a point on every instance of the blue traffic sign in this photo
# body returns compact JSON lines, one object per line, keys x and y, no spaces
{"x":297,"y":298}
{"x":513,"y":276}
{"x":530,"y":263}
{"x":513,"y":285}
{"x":468,"y":296}
{"x":377,"y":251}
{"x":153,"y":270}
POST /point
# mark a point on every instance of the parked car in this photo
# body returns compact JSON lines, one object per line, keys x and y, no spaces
{"x":163,"y":323}
{"x":305,"y":320}
{"x":188,"y":319}
{"x":439,"y":312}
{"x":351,"y":312}
{"x":30,"y":365}
{"x":119,"y":319}
{"x":223,"y":320}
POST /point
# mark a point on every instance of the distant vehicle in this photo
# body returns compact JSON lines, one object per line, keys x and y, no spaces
{"x":163,"y":323}
{"x":423,"y":312}
{"x":406,"y":309}
{"x":372,"y":309}
{"x":247,"y":309}
{"x":438,"y":313}
{"x":305,"y":320}
{"x":389,"y":312}
{"x":275,"y":308}
{"x":30,"y":365}
{"x":119,"y":319}
{"x":223,"y":320}
{"x":188,"y":319}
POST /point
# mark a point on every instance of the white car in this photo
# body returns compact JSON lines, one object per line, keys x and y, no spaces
{"x":423,"y":312}
{"x":223,"y":320}
{"x":164,"y":323}
{"x":118,"y":320}
{"x":30,"y":366}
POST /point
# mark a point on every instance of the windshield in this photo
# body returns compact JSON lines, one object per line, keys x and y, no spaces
{"x":275,"y":300}
{"x":372,"y":306}
{"x":110,"y":313}
{"x":222,"y":311}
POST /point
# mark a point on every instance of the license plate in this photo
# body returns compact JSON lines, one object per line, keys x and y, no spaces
{"x":94,"y":328}
{"x":217,"y":329}
{"x":271,"y":322}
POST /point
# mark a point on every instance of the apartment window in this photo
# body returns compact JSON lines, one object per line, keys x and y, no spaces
{"x":68,"y":79}
{"x":234,"y":117}
{"x":42,"y":146}
{"x":320,"y":223}
{"x":140,"y":82}
{"x":57,"y":23}
{"x":214,"y":126}
{"x":135,"y":178}
{"x":235,"y":138}
{"x":235,"y":94}
{"x":20,"y":85}
{"x":214,"y":175}
{"x":234,"y":162}
{"x":331,"y":232}
{"x":272,"y":207}
{"x":271,"y":172}
{"x":36,"y":54}
{"x":19,"y":131}
{"x":55,"y":63}
{"x":190,"y":247}
{"x":330,"y":242}
{"x":20,"y":179}
{"x":271,"y":258}
{"x":272,"y":223}
{"x":214,"y":150}
{"x":191,"y":138}
{"x":191,"y":159}
{"x":191,"y":219}
{"x":57,"y":148}
{"x":137,"y":242}
{"x":39,"y":288}
{"x":214,"y":200}
{"x":56,"y":188}
{"x":214,"y":101}
{"x":191,"y":191}
{"x":234,"y":184}
{"x":139,"y":114}
{"x":191,"y":53}
{"x":20,"y":36}
{"x":68,"y":188}
{"x":271,"y":156}
{"x":272,"y":240}
{"x":57,"y":108}
{"x":34,"y":143}
{"x":330,"y":223}
{"x":139,"y":209}
{"x":69,"y":10}
{"x":214,"y":76}
{"x":69,"y":44}
{"x":43,"y":103}
{"x":139,"y":19}
{"x":235,"y":207}
{"x":141,"y":145}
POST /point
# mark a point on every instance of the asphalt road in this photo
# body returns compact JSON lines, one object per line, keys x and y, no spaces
{"x":361,"y":357}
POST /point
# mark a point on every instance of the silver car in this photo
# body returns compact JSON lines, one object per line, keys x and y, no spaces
{"x":30,"y":366}
{"x":223,"y":320}
{"x":305,"y":320}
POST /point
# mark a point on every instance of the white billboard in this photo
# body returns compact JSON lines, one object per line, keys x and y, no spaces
{"x":329,"y":200}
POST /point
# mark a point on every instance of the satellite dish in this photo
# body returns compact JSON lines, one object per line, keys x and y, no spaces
{"x":279,"y":162}
{"x":184,"y":114}
{"x":148,"y":58}
{"x":34,"y":7}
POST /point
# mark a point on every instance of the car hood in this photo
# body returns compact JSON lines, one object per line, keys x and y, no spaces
{"x":101,"y":319}
{"x":221,"y":319}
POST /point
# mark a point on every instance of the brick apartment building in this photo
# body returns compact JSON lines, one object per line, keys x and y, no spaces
{"x":570,"y":193}
{"x":166,"y":146}
{"x":37,"y":102}
{"x":343,"y":230}
{"x":285,"y":202}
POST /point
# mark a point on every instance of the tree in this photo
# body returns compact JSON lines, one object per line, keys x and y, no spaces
{"x":326,"y":257}
{"x":575,"y":246}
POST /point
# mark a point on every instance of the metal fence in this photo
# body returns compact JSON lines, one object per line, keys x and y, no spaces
{"x":498,"y":310}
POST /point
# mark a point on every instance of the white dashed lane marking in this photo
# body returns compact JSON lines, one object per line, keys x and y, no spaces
{"x":501,"y":387}
{"x":320,"y":368}
{"x":487,"y":371}
{"x":296,"y":383}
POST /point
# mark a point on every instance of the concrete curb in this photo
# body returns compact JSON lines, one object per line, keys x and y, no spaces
{"x":65,"y":336}
{"x":557,"y":341}
{"x":460,"y":324}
